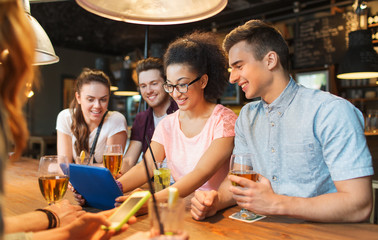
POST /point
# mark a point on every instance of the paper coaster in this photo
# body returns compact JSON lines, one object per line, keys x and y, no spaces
{"x":236,"y":216}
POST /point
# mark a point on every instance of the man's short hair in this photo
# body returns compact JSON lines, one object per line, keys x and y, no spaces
{"x":261,"y":38}
{"x":148,"y":64}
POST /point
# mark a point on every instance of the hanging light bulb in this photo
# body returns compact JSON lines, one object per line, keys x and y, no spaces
{"x":28,"y":91}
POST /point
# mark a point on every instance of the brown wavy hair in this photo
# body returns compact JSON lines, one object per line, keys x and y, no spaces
{"x":17,"y":45}
{"x":79,"y":127}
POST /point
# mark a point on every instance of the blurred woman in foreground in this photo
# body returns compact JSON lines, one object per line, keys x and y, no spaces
{"x":16,"y":73}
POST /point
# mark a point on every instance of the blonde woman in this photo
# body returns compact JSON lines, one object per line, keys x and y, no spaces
{"x":17,"y":72}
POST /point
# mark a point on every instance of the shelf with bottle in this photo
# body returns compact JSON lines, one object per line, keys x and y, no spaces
{"x":360,"y":86}
{"x":371,"y":122}
{"x":359,"y":90}
{"x":373,"y":26}
{"x":371,"y":133}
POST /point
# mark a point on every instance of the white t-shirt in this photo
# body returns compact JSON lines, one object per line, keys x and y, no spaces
{"x":114,"y":123}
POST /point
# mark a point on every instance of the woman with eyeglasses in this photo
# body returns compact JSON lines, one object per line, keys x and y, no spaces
{"x":197,"y":140}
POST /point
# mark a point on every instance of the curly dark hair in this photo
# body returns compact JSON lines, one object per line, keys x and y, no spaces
{"x":262,"y":38}
{"x":201,"y":52}
{"x":148,"y":64}
{"x":79,"y":127}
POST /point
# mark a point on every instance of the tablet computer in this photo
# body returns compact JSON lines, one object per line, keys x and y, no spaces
{"x":95,"y":184}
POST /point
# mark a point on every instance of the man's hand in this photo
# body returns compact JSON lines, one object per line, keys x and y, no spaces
{"x":257,"y":197}
{"x":204,"y":204}
{"x":66,"y":212}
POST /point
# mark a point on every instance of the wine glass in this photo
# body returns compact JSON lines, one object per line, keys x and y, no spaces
{"x":112,"y":158}
{"x":241,"y":165}
{"x":53,"y":176}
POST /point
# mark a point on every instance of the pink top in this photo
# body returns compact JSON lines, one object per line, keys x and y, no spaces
{"x":183,"y":153}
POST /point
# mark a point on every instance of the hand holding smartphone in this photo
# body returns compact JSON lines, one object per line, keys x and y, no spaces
{"x":127,"y":209}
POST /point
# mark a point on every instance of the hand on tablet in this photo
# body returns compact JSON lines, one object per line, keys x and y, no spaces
{"x":78,"y":197}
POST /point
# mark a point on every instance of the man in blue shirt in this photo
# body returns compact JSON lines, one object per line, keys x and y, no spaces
{"x":308,"y":146}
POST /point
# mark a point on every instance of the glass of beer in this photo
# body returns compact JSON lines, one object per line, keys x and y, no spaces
{"x":241,"y":165}
{"x":53,"y":176}
{"x":112,"y":158}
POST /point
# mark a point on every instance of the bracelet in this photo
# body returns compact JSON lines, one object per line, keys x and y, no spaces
{"x":53,"y":219}
{"x":119,"y":184}
{"x":56,"y":218}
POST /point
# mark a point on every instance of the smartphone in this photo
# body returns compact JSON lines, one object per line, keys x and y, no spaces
{"x":127,"y":209}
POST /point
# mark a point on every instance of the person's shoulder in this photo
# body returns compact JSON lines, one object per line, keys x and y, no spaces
{"x":315,"y":96}
{"x":223,"y":111}
{"x":116,"y":116}
{"x":65,"y":113}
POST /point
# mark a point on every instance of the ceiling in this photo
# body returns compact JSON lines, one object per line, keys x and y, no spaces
{"x":70,"y":26}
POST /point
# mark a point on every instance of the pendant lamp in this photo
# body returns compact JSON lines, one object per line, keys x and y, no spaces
{"x":360,"y":60}
{"x":126,"y":85}
{"x":103,"y":64}
{"x":44,"y":50}
{"x":154,"y":12}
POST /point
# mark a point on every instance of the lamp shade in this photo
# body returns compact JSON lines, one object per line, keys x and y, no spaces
{"x":44,"y":51}
{"x":154,"y":12}
{"x":126,"y":85}
{"x":360,"y":60}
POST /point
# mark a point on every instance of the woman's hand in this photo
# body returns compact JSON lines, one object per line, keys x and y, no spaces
{"x":119,"y":200}
{"x":78,"y":197}
{"x":88,"y":226}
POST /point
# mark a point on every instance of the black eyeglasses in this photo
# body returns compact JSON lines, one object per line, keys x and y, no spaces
{"x":182,"y":88}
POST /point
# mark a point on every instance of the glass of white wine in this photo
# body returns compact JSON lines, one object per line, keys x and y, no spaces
{"x":112,"y":158}
{"x":241,"y":165}
{"x":53,"y":176}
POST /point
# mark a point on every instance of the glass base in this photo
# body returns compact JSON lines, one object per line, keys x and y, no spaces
{"x":245,"y":214}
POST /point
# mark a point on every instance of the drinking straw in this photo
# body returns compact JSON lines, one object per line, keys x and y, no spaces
{"x":153,"y":157}
{"x":161,"y":227}
{"x":149,"y":147}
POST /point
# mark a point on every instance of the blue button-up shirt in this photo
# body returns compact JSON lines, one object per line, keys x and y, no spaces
{"x":304,"y":140}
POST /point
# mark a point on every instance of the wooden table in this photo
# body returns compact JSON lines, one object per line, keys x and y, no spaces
{"x":23,"y":195}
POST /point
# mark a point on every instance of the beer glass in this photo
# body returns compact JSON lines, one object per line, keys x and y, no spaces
{"x":241,"y":165}
{"x":112,"y":158}
{"x":53,"y":176}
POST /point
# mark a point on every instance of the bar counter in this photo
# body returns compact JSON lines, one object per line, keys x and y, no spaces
{"x":23,"y":195}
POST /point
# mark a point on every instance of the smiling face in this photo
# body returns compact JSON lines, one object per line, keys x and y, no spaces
{"x":93,"y":99}
{"x":182,"y":74}
{"x":250,"y":74}
{"x":151,"y":87}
